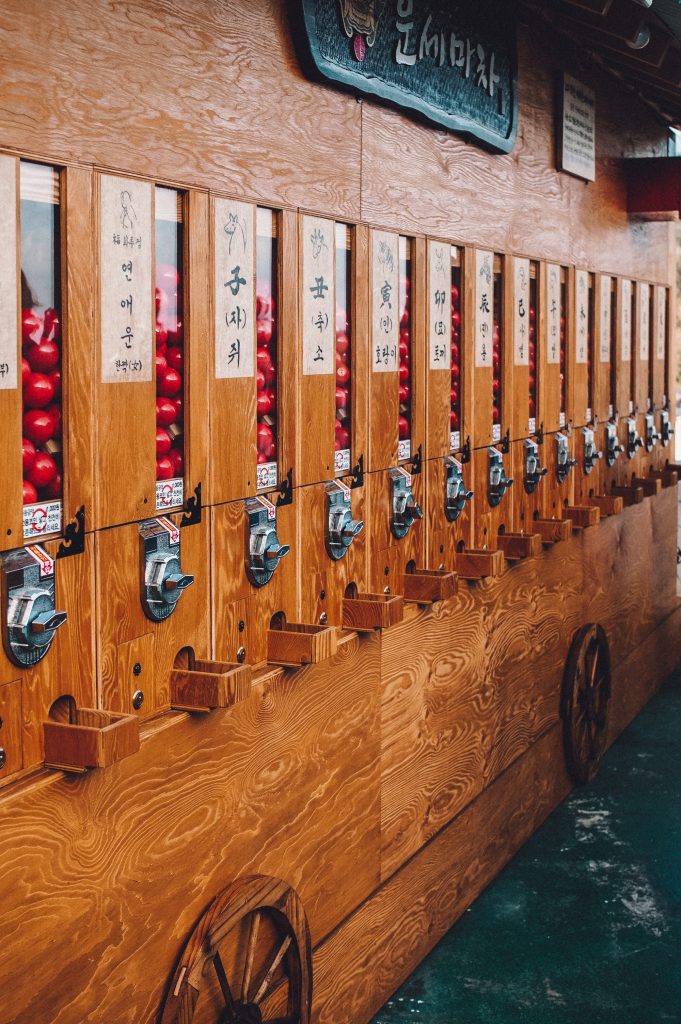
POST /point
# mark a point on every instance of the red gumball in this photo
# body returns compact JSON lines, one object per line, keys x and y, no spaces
{"x":405,"y":391}
{"x":496,"y":415}
{"x":179,"y":408}
{"x":532,"y":314}
{"x":454,"y":396}
{"x":263,"y":307}
{"x":403,"y":428}
{"x":175,"y":331}
{"x":456,"y":318}
{"x":262,"y":459}
{"x":38,"y":425}
{"x":263,"y":360}
{"x":260,"y":380}
{"x":342,"y":343}
{"x":532,"y":407}
{"x":161,"y":334}
{"x":30,"y":494}
{"x":25,"y":371}
{"x":264,"y":437}
{"x":177,"y":459}
{"x":272,"y":394}
{"x":341,"y":359}
{"x":31,"y":327}
{"x":342,"y":375}
{"x":163,"y":442}
{"x":455,"y":371}
{"x":341,"y":398}
{"x":54,"y":488}
{"x":55,"y":377}
{"x":55,"y":412}
{"x":170,"y":384}
{"x":405,"y":319}
{"x":165,"y":412}
{"x":271,"y":375}
{"x":51,"y":325}
{"x":167,"y":277}
{"x":263,"y":331}
{"x":342,"y":437}
{"x":161,"y":367}
{"x":404,"y":352}
{"x":39,"y":391}
{"x":43,"y":470}
{"x":44,"y":356}
{"x":263,"y":403}
{"x":455,"y":353}
{"x":27,"y":455}
{"x":496,"y":387}
{"x":404,"y":373}
{"x":453,"y":420}
{"x":455,"y":295}
{"x":164,"y":468}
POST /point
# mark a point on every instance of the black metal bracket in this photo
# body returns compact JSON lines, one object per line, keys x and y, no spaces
{"x":466,"y":451}
{"x":539,"y":436}
{"x":416,"y":462}
{"x":286,"y":490}
{"x":358,"y":473}
{"x":74,"y":536}
{"x":505,"y":443}
{"x":192,"y":510}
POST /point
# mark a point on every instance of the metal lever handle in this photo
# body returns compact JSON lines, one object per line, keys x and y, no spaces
{"x":178,"y":581}
{"x":415,"y":510}
{"x":47,"y":622}
{"x":274,"y":554}
{"x":350,"y":531}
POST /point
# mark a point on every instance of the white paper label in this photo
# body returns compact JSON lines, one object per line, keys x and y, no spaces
{"x":521,"y":311}
{"x":403,"y":450}
{"x":342,"y":461}
{"x":42,"y":519}
{"x":484,"y":300}
{"x":643,"y":321}
{"x":581,"y":316}
{"x":553,"y":314}
{"x":454,"y":439}
{"x":125,"y":284}
{"x":496,"y":432}
{"x":626,"y":320}
{"x":561,"y":419}
{"x":531,"y":425}
{"x":234,"y":244}
{"x":578,"y":129}
{"x":266,"y":475}
{"x":440,"y":305}
{"x":319,"y":296}
{"x":385,"y":302}
{"x":606,"y":316}
{"x":9,"y":311}
{"x":661,"y":321}
{"x":169,"y":493}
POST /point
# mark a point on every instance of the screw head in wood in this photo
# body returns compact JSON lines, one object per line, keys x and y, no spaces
{"x":241,"y":655}
{"x":137,"y":699}
{"x":3,"y":757}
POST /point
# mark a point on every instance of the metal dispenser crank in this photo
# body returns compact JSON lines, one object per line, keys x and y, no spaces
{"x":162,"y":578}
{"x":264,"y":552}
{"x":497,"y":481}
{"x":405,"y":508}
{"x":29,"y":616}
{"x":341,"y":528}
{"x":456,"y":494}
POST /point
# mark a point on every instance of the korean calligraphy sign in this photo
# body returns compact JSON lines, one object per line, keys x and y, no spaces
{"x":581,"y":316}
{"x":606,"y":318}
{"x":661,"y":325}
{"x":440,"y":305}
{"x":521,"y":311}
{"x":319,"y":296}
{"x":234,"y":247}
{"x":385,"y":313}
{"x":643,"y":304}
{"x":484,"y":299}
{"x":553,"y":312}
{"x":625,"y":320}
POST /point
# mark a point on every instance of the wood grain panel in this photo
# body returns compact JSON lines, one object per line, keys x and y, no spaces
{"x":384,"y":550}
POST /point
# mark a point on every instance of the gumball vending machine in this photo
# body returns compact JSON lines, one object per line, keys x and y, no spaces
{"x":332,"y":394}
{"x":152,"y":544}
{"x":448,"y":445}
{"x":625,"y":384}
{"x":47,"y":669}
{"x":659,"y":385}
{"x":606,"y":413}
{"x":585,"y":448}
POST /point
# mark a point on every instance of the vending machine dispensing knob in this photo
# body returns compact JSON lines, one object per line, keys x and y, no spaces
{"x":497,"y":481}
{"x":591,"y":453}
{"x":534,"y":470}
{"x":405,"y":507}
{"x":563,"y":461}
{"x":29,"y":616}
{"x":612,"y":446}
{"x":634,"y":442}
{"x":651,"y":435}
{"x":263,"y":552}
{"x":666,"y":429}
{"x":456,"y":494}
{"x":341,"y":528}
{"x":162,"y":578}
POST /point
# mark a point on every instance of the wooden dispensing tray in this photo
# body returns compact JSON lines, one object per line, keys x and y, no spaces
{"x":669,"y":476}
{"x":476,"y":564}
{"x":95,"y":739}
{"x":582,"y":516}
{"x":608,"y":504}
{"x":552,"y":531}
{"x":425,"y":586}
{"x":301,"y":643}
{"x":651,"y":485}
{"x":515,"y":546}
{"x":367,"y":612}
{"x":630,"y":494}
{"x":208,"y":685}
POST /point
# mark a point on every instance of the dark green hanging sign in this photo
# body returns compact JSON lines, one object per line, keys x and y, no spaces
{"x":453,"y":63}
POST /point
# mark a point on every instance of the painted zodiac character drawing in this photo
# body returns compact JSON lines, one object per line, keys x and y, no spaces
{"x":235,"y":228}
{"x":128,"y":215}
{"x":360,"y":21}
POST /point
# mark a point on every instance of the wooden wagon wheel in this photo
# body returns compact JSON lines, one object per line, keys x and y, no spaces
{"x":584,"y":705}
{"x":252,"y":949}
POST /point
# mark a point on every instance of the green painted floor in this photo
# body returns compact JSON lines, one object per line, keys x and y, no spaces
{"x":584,"y":925}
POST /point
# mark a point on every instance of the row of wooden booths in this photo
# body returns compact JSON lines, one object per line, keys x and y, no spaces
{"x":250,"y":428}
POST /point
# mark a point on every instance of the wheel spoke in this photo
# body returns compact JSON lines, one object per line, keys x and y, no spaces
{"x":250,"y":952}
{"x":224,"y":986}
{"x":269,"y":972}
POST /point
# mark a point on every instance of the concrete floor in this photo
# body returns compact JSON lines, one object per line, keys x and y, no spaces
{"x":584,"y":925}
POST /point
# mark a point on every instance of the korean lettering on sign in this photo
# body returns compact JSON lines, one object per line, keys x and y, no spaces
{"x":626,"y":320}
{"x":385,"y":315}
{"x":319,"y":300}
{"x":606,"y":312}
{"x":440,"y":299}
{"x":126,"y":295}
{"x":234,"y":242}
{"x":553,"y":312}
{"x":644,"y":321}
{"x":581,"y":316}
{"x":484,"y":288}
{"x":661,"y":328}
{"x":521,"y":311}
{"x":8,"y":273}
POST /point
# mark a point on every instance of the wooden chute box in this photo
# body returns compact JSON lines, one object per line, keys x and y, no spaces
{"x":332,"y":360}
{"x":90,"y":738}
{"x":152,"y":560}
{"x":447,"y":469}
{"x":254,"y":377}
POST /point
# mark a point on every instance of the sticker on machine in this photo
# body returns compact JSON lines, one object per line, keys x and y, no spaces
{"x":266,"y":475}
{"x":169,"y":526}
{"x":169,"y":493}
{"x":342,"y":461}
{"x":454,"y":440}
{"x":43,"y":559}
{"x":403,"y":450}
{"x":42,"y":519}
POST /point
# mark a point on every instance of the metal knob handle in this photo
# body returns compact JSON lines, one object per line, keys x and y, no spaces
{"x":350,"y":531}
{"x":177,"y":581}
{"x":47,"y":623}
{"x":274,"y":554}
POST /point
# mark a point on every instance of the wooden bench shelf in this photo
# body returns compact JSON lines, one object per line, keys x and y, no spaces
{"x":208,"y":685}
{"x":425,"y":586}
{"x":92,"y":739}
{"x":301,"y":643}
{"x":368,"y":612}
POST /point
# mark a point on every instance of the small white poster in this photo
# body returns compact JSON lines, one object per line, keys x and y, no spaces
{"x":643,"y":321}
{"x":484,"y":299}
{"x":440,"y":305}
{"x":553,"y":313}
{"x":234,"y":245}
{"x":521,"y":311}
{"x":319,"y":296}
{"x":606,"y":319}
{"x":385,"y":302}
{"x":125,"y":283}
{"x":8,"y":273}
{"x":578,"y":129}
{"x":625,"y":315}
{"x":661,"y":333}
{"x":581,"y":316}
